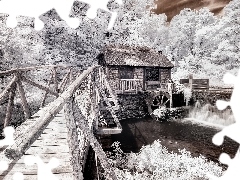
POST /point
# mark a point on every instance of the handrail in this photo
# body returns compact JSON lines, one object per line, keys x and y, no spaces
{"x":24,"y":138}
{"x":130,"y":79}
{"x":11,"y":71}
{"x":128,"y":85}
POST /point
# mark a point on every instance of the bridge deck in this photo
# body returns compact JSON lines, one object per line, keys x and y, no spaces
{"x":52,"y":143}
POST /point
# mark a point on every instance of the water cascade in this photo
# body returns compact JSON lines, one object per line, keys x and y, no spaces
{"x":210,"y":114}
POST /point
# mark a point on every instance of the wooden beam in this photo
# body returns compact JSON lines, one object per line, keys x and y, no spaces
{"x":23,"y":99}
{"x":39,"y":86}
{"x":30,"y":130}
{"x":7,"y":89}
{"x":75,"y":151}
{"x":46,"y":93}
{"x":80,"y":119}
{"x":10,"y":105}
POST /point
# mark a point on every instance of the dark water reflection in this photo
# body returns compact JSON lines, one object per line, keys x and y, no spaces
{"x":174,"y":135}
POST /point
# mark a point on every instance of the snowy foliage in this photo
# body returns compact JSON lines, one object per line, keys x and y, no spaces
{"x":160,"y":112}
{"x":156,"y":162}
{"x":195,"y":41}
{"x":187,"y":94}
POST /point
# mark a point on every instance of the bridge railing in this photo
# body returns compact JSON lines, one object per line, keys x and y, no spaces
{"x":77,"y":123}
{"x":129,"y":85}
{"x":21,"y":81}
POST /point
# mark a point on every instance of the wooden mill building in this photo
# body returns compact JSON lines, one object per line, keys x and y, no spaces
{"x":134,"y":69}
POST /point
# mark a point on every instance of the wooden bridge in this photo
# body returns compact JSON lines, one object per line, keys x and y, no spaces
{"x":65,"y":127}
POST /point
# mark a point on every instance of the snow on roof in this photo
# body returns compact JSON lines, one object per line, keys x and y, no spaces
{"x":135,"y":56}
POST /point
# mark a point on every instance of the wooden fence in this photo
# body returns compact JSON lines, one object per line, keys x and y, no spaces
{"x":195,"y":84}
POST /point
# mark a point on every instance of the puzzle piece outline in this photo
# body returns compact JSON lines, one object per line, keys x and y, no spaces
{"x":232,"y":131}
{"x":7,"y":141}
{"x":44,"y":171}
{"x":15,"y":8}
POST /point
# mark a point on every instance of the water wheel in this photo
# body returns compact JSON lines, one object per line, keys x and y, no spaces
{"x":157,"y":100}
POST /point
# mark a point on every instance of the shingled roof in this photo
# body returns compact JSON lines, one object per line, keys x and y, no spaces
{"x":134,"y":56}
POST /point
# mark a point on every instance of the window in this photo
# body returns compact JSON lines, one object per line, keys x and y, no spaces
{"x":152,"y":74}
{"x":126,"y":72}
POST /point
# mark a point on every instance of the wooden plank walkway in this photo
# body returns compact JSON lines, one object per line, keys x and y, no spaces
{"x":52,"y":143}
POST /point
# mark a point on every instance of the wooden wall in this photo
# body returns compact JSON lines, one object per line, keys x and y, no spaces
{"x":138,"y":74}
{"x":113,"y":75}
{"x":165,"y":75}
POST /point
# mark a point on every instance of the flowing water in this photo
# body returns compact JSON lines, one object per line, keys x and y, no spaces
{"x":210,"y":114}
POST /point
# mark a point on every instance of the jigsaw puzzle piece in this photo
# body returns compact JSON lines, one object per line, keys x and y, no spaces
{"x":18,"y":176}
{"x":3,"y":165}
{"x":232,"y":173}
{"x":44,"y":170}
{"x":232,"y":131}
{"x":8,"y":140}
{"x":35,"y":8}
{"x":63,"y":9}
{"x":96,"y":4}
{"x":221,"y":105}
{"x":229,"y":78}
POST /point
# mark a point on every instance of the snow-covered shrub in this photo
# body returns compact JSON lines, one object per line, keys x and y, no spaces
{"x":187,"y":94}
{"x":169,"y":114}
{"x":156,"y":162}
{"x":160,"y":113}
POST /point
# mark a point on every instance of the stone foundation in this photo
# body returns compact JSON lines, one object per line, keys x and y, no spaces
{"x":132,"y":106}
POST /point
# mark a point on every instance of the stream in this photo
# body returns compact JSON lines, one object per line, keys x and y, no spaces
{"x":174,"y":134}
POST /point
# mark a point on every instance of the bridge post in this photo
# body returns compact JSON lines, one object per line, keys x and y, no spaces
{"x":46,"y":93}
{"x":190,"y":81}
{"x":23,"y":98}
{"x":55,"y":79}
{"x":10,"y":105}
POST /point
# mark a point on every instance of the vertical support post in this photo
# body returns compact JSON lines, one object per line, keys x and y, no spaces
{"x":100,"y":77}
{"x":144,"y":79}
{"x":45,"y":95}
{"x":90,"y":107}
{"x":160,"y":78}
{"x":94,"y":100}
{"x":64,"y":81}
{"x":107,"y":72}
{"x":10,"y":105}
{"x":96,"y":159}
{"x":190,"y":81}
{"x":23,"y":98}
{"x":71,"y":75}
{"x":170,"y":88}
{"x":55,"y":79}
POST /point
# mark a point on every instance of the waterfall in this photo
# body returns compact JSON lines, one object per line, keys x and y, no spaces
{"x":211,"y":114}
